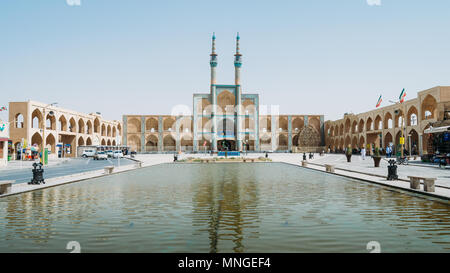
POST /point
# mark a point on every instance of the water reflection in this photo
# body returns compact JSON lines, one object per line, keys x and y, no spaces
{"x":227,"y":204}
{"x":222,"y":208}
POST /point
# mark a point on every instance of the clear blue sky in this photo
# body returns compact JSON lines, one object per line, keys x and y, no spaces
{"x":144,"y":57}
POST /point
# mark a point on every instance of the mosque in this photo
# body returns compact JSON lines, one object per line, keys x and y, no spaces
{"x":226,"y":118}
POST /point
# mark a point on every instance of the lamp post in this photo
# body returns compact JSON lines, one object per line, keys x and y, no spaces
{"x":402,"y":138}
{"x":51,"y":113}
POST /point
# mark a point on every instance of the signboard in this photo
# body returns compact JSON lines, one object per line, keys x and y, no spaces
{"x":402,"y":140}
{"x":45,"y":156}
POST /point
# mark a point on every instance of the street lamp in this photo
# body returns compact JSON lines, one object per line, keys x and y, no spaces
{"x":51,"y":113}
{"x":402,"y":138}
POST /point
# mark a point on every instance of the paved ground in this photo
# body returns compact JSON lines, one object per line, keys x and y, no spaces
{"x":366,"y":166}
{"x":23,"y":174}
{"x":17,"y":164}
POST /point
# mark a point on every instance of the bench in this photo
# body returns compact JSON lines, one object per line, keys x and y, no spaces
{"x":249,"y":159}
{"x":304,"y":163}
{"x":109,"y":169}
{"x":428,"y":183}
{"x":5,"y":186}
{"x":329,"y":168}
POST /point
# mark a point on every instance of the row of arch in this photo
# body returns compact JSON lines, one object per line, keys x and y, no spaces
{"x":50,"y":141}
{"x":69,"y":125}
{"x":389,"y":121}
{"x":307,"y":137}
{"x":134,"y":124}
{"x":357,"y":142}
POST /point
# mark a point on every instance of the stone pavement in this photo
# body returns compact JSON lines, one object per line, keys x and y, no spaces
{"x":366,"y":166}
{"x":17,"y":164}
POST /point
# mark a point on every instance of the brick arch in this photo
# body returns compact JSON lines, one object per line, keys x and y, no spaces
{"x":298,"y":123}
{"x":361,"y":126}
{"x":226,"y":100}
{"x":429,"y":104}
{"x":134,"y":125}
{"x":412,"y":112}
{"x":369,"y":124}
{"x":151,"y":124}
{"x":388,"y":121}
{"x":37,"y":119}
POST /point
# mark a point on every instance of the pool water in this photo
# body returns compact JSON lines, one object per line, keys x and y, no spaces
{"x":229,"y":207}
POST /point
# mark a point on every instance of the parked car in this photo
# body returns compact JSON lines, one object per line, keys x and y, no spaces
{"x":101,"y":156}
{"x":88,"y":153}
{"x":117,"y":154}
{"x":110,"y":153}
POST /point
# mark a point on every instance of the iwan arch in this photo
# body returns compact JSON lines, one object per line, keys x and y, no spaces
{"x":382,"y":126}
{"x":224,"y":119}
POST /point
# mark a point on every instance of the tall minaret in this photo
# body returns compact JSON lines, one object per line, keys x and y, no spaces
{"x":213,"y":64}
{"x":213,"y":61}
{"x":237,"y":82}
{"x":237,"y":62}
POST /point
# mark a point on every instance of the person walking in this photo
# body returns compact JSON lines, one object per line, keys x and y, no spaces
{"x":363,"y":153}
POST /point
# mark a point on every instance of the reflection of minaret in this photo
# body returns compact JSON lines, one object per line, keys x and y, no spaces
{"x":213,"y":64}
{"x":237,"y":82}
{"x":229,"y":206}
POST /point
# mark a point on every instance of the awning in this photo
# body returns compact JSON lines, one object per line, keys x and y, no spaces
{"x":437,"y":130}
{"x":4,"y":139}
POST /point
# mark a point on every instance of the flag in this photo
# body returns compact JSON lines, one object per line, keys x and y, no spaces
{"x":402,"y":96}
{"x":379,"y":102}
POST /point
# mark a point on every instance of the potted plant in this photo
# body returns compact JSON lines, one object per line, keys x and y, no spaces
{"x":348,"y":153}
{"x":376,"y":157}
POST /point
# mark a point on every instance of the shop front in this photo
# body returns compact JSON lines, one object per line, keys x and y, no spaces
{"x":439,"y":144}
{"x":4,"y":140}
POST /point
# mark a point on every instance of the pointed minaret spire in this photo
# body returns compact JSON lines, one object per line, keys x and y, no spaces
{"x":214,"y":43}
{"x":237,"y":43}
{"x":237,"y":59}
{"x":213,"y":60}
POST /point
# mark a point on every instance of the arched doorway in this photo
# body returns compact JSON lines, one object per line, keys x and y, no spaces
{"x":169,"y":143}
{"x":226,"y":145}
{"x":388,"y":140}
{"x":413,"y":143}
{"x":50,"y":143}
{"x":152,"y":144}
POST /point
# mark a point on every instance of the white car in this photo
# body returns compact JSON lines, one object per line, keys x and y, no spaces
{"x":117,"y":154}
{"x":101,"y":156}
{"x":88,"y":153}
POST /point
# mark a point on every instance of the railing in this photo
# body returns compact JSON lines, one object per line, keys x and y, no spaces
{"x":187,"y":148}
{"x":282,"y":148}
{"x":151,"y":148}
{"x":170,"y":148}
{"x":265,"y":147}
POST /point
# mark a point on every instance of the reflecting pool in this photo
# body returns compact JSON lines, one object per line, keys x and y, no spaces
{"x":230,"y":207}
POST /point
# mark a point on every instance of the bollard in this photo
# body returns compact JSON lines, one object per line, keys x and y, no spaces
{"x":38,"y":175}
{"x":392,"y":170}
{"x":304,"y":163}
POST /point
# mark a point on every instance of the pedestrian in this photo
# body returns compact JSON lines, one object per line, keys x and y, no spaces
{"x":363,"y":153}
